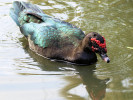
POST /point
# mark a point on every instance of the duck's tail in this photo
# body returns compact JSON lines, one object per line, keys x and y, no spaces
{"x":19,"y":7}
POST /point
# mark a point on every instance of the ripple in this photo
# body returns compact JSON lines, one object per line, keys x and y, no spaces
{"x":45,"y":7}
{"x":61,"y":16}
{"x":72,"y":4}
{"x":59,"y":6}
{"x":50,"y":1}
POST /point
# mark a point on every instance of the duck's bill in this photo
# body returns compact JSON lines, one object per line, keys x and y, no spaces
{"x":105,"y":57}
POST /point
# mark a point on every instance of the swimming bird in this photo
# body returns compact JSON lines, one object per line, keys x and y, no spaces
{"x":56,"y":39}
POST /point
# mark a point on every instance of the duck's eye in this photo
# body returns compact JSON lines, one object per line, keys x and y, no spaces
{"x":95,"y":44}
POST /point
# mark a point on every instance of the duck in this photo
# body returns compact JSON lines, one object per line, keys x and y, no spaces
{"x":53,"y":38}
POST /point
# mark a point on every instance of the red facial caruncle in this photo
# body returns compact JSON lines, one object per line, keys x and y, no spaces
{"x":102,"y":45}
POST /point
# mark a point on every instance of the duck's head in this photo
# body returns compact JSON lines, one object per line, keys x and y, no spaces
{"x":97,"y":44}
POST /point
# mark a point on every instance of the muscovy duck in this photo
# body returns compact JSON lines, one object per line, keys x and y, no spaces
{"x":56,"y":39}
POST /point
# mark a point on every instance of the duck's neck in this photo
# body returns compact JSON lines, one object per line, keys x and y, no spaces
{"x":84,"y":45}
{"x":82,"y":51}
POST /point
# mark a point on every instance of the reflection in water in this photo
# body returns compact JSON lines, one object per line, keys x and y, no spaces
{"x":96,"y":88}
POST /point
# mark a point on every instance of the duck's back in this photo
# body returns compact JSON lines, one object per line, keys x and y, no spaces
{"x":44,"y":30}
{"x":52,"y":32}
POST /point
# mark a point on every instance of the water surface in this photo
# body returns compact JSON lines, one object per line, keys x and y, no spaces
{"x":27,"y":76}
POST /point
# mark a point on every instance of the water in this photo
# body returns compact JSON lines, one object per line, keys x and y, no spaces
{"x":27,"y":76}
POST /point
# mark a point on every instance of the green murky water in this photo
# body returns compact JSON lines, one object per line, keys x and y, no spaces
{"x":27,"y":76}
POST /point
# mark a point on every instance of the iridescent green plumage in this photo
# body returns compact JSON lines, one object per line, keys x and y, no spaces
{"x":46,"y":31}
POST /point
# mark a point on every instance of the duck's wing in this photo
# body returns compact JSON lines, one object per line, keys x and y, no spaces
{"x":49,"y":31}
{"x":44,"y":30}
{"x":41,"y":34}
{"x":32,"y":22}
